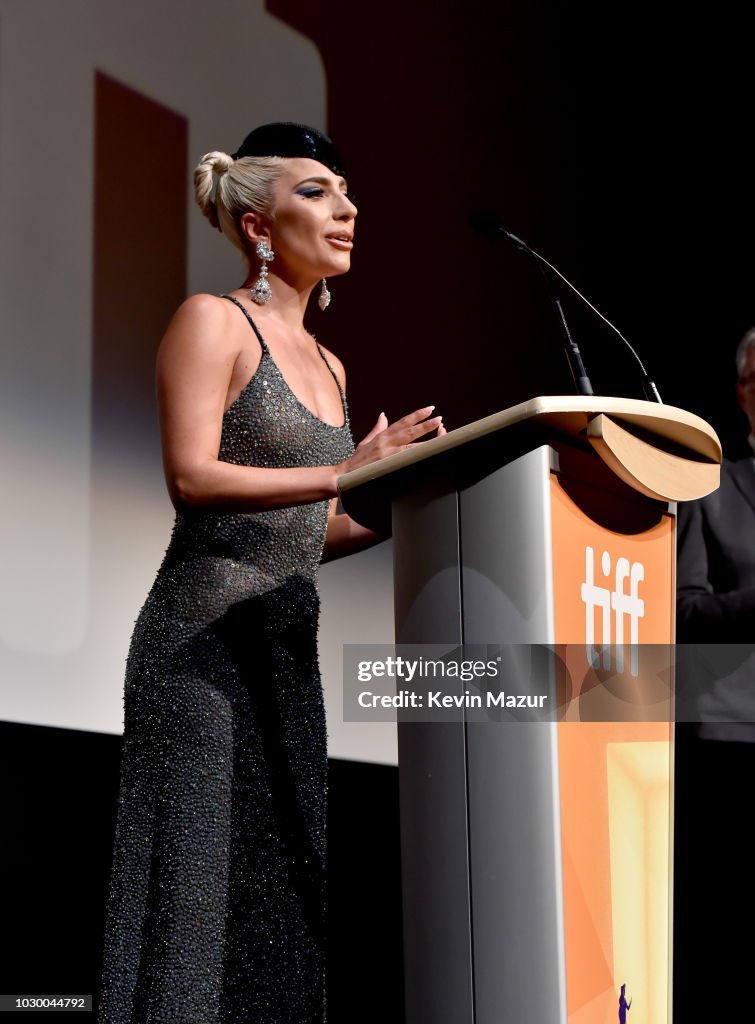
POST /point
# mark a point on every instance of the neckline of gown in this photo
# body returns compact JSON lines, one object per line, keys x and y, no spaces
{"x":267,"y":353}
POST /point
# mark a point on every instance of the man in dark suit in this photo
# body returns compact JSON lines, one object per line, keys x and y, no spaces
{"x":714,"y":883}
{"x":716,"y":541}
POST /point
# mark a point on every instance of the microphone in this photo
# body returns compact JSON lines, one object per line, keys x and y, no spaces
{"x":488,"y":224}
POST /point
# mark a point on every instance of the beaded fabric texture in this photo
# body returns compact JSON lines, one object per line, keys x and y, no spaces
{"x":216,"y":911}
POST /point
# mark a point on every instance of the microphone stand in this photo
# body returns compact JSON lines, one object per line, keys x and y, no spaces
{"x":489,"y":225}
{"x":573,"y":356}
{"x":572,"y":350}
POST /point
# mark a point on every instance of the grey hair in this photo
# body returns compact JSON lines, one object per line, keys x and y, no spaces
{"x":743,"y":349}
{"x":225,"y":189}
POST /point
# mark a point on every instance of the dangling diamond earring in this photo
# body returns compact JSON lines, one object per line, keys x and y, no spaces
{"x":324,"y":301}
{"x":260,"y":290}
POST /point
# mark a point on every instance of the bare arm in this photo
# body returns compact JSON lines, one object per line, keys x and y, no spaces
{"x":344,"y":535}
{"x":194,"y":367}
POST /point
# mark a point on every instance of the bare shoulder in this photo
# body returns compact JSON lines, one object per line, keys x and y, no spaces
{"x":201,"y":330}
{"x":338,"y":367}
{"x":196,"y":357}
{"x":201,"y":320}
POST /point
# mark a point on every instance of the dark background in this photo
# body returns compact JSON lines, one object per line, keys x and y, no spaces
{"x":614,"y":138}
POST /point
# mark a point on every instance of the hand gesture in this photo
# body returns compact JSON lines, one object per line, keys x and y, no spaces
{"x":386,"y":439}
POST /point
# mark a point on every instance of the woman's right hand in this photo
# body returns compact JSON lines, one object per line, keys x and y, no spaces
{"x":386,"y":439}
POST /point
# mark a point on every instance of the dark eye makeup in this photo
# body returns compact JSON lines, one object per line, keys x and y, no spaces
{"x":313,"y":191}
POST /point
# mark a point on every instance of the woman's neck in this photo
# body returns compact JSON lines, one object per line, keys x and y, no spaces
{"x":288,"y":303}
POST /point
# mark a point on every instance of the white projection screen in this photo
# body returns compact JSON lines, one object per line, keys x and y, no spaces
{"x":102,"y":117}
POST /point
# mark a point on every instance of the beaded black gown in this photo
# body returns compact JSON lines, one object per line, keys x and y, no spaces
{"x":217,"y":894}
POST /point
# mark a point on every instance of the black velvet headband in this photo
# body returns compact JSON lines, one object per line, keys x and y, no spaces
{"x":284,"y":138}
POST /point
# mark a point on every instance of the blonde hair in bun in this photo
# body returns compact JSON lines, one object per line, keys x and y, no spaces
{"x":225,"y":188}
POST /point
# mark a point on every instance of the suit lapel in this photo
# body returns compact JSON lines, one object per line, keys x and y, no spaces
{"x":743,"y":475}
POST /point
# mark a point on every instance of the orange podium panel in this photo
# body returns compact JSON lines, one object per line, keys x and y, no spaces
{"x":612,"y":592}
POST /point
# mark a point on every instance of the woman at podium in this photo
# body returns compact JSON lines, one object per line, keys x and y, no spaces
{"x":216,"y":906}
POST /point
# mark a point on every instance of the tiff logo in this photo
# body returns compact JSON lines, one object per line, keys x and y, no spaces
{"x":624,"y":605}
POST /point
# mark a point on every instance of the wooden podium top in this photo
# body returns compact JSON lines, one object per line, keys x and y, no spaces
{"x":666,"y":453}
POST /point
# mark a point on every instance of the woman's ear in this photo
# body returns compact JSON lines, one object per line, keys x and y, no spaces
{"x":253,"y":228}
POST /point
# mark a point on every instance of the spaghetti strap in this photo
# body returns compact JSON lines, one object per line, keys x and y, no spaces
{"x":248,"y":315}
{"x":319,"y":349}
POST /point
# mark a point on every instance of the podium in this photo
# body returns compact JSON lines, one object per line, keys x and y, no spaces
{"x":537,"y":856}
